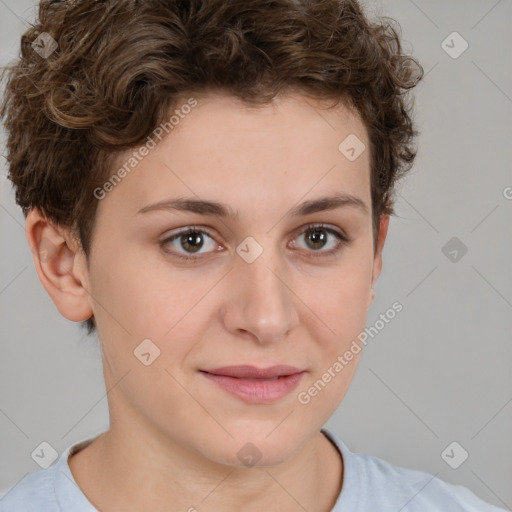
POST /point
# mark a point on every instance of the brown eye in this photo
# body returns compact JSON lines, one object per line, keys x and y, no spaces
{"x":318,"y":237}
{"x":192,"y":240}
{"x":188,"y":243}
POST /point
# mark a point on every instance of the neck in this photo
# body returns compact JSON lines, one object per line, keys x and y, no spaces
{"x":121,"y":470}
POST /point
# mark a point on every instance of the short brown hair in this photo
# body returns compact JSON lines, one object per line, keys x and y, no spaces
{"x":120,"y":66}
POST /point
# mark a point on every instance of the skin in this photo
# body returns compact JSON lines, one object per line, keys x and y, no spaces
{"x":174,"y":435}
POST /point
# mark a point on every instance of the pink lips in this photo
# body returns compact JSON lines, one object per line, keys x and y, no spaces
{"x":254,"y":385}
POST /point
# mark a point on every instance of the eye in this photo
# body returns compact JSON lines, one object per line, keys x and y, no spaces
{"x":191,"y":239}
{"x":317,"y":238}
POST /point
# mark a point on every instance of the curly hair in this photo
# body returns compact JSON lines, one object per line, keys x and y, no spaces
{"x":118,"y":67}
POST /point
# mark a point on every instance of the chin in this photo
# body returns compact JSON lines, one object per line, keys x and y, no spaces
{"x":254,"y":449}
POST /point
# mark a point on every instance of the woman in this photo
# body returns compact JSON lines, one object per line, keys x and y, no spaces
{"x":208,"y":185}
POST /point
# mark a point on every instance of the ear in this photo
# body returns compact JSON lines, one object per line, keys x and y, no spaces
{"x":377,"y":261}
{"x":61,"y":266}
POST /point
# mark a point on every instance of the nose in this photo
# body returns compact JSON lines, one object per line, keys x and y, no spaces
{"x":260,"y":300}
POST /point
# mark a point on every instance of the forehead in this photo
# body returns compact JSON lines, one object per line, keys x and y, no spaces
{"x":297,"y":121}
{"x":222,"y":147}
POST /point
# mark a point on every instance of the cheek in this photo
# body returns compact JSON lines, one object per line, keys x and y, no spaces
{"x":343,"y":300}
{"x":138,"y":296}
{"x":342,"y":306}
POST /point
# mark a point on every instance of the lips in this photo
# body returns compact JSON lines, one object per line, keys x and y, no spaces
{"x":256,"y":385}
{"x":251,"y":372}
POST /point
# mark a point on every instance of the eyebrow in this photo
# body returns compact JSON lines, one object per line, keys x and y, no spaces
{"x":221,"y":210}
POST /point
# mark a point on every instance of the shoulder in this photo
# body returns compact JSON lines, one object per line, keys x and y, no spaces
{"x":371,"y":483}
{"x":35,"y":489}
{"x":49,"y":490}
{"x":417,"y":491}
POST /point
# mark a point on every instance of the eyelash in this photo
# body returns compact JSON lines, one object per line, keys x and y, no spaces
{"x":343,"y":240}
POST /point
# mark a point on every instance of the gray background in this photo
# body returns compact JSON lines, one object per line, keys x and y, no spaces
{"x":439,"y":372}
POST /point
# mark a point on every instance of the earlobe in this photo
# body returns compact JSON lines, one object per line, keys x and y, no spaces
{"x":372,"y":296}
{"x":60,"y":265}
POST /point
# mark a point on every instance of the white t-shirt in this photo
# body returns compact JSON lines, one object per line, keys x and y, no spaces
{"x":370,"y":484}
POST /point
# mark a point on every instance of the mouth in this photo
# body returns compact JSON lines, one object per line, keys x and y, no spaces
{"x":253,"y":385}
{"x":248,"y":372}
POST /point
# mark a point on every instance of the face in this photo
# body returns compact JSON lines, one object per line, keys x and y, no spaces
{"x":269,"y":283}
